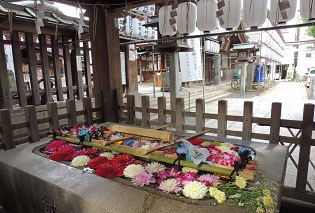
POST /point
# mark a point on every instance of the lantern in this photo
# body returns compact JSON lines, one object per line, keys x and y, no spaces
{"x":207,"y":46}
{"x":135,"y":27}
{"x":186,"y":18}
{"x":229,"y":15}
{"x":206,"y":17}
{"x":254,"y":12}
{"x":307,"y":9}
{"x":165,"y":27}
{"x":120,"y":24}
{"x":246,"y":52}
{"x":128,"y":26}
{"x":150,"y":10}
{"x":282,"y":11}
{"x":142,"y":29}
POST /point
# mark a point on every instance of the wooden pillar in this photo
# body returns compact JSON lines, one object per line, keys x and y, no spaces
{"x":106,"y":62}
{"x":45,"y":67}
{"x":57,"y":71}
{"x":87,"y":69}
{"x":77,"y":70}
{"x":68,"y":72}
{"x":131,"y":71}
{"x":5,"y":93}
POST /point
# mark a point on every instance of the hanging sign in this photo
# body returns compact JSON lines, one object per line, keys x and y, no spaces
{"x":123,"y":68}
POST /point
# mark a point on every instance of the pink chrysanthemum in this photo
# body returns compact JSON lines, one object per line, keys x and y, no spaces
{"x":170,"y":186}
{"x":54,"y":146}
{"x":142,"y":179}
{"x":79,"y":153}
{"x":208,"y":179}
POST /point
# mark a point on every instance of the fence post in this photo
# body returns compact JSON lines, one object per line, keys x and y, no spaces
{"x":275,"y":123}
{"x":161,"y":110}
{"x":7,"y":131}
{"x":52,"y":112}
{"x":200,"y":110}
{"x":180,"y":106}
{"x":131,"y":114}
{"x":145,"y":102}
{"x":222,"y":124}
{"x":31,"y":118}
{"x":305,"y":147}
{"x":72,"y":113}
{"x":87,"y":106}
{"x":247,"y":120}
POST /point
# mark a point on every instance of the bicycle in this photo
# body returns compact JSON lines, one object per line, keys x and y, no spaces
{"x":236,"y":82}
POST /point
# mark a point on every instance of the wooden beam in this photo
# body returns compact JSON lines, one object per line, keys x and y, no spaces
{"x":131,"y":72}
{"x":68,"y":72}
{"x":45,"y":67}
{"x":78,"y":70}
{"x":87,"y":69}
{"x":17,"y":60}
{"x":31,"y":59}
{"x":57,"y":71}
{"x":5,"y":93}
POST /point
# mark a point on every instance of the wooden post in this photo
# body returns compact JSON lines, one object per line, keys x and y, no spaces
{"x":200,"y":110}
{"x":131,"y":114}
{"x":78,"y":71}
{"x":247,"y":120}
{"x":7,"y":131}
{"x":145,"y":102}
{"x":161,"y":110}
{"x":180,"y":119}
{"x":222,"y":123}
{"x":131,"y":72}
{"x":68,"y":72}
{"x":52,"y":112}
{"x":275,"y":123}
{"x":106,"y":62}
{"x":31,"y":118}
{"x":87,"y":106}
{"x":31,"y":59}
{"x":57,"y":71}
{"x":87,"y":69}
{"x":71,"y":111}
{"x":5,"y":93}
{"x":305,"y":147}
{"x":45,"y":67}
{"x":17,"y":59}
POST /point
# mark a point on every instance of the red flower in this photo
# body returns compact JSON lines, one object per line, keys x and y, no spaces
{"x":54,"y":145}
{"x":196,"y":141}
{"x":92,"y":152}
{"x":124,"y":159}
{"x":97,"y":161}
{"x":110,"y":169}
{"x":63,"y":154}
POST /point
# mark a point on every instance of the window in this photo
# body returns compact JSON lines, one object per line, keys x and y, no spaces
{"x":308,"y":55}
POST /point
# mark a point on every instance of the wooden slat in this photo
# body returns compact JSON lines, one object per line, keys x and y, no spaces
{"x":275,"y":123}
{"x":130,"y":112}
{"x":87,"y":71}
{"x":78,"y":70}
{"x":87,"y":106}
{"x":22,"y":140}
{"x":17,"y":59}
{"x":145,"y":102}
{"x":247,"y":120}
{"x":189,"y":114}
{"x":222,"y":112}
{"x":57,"y":71}
{"x":137,"y":109}
{"x":96,"y":109}
{"x":80,"y":112}
{"x":153,"y":110}
{"x":19,"y":125}
{"x":7,"y":131}
{"x":30,"y":116}
{"x":234,"y":118}
{"x":200,"y":110}
{"x":52,"y":112}
{"x":68,"y":71}
{"x":31,"y":59}
{"x":180,"y":119}
{"x":45,"y":67}
{"x":43,"y":120}
{"x":5,"y":93}
{"x":210,"y":116}
{"x":305,"y":147}
{"x":63,"y":116}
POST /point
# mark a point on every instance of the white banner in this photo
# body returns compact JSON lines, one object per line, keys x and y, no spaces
{"x":190,"y":62}
{"x":123,"y":68}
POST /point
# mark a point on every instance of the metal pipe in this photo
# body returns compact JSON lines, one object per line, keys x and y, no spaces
{"x":188,"y":95}
{"x":153,"y":61}
{"x":203,"y":68}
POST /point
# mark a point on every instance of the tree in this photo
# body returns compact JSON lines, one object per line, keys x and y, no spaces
{"x":311,"y":29}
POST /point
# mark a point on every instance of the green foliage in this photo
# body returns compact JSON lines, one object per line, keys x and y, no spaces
{"x":311,"y":30}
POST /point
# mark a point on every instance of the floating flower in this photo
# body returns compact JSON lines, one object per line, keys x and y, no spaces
{"x":220,"y":196}
{"x":212,"y":191}
{"x":235,"y":196}
{"x":92,"y":152}
{"x":267,"y":201}
{"x":132,"y":170}
{"x":79,"y":153}
{"x":54,"y":146}
{"x":63,"y":154}
{"x":97,"y":161}
{"x":208,"y":179}
{"x":79,"y":161}
{"x":108,"y":155}
{"x":142,"y":179}
{"x":154,"y":167}
{"x":196,"y":141}
{"x":188,"y":169}
{"x":195,"y":190}
{"x":186,"y":177}
{"x":170,"y":186}
{"x":124,"y":159}
{"x":240,"y":182}
{"x":110,"y":169}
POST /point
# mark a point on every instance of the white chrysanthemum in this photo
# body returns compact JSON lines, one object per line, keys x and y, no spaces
{"x":188,"y":169}
{"x":108,"y":155}
{"x":79,"y":161}
{"x":146,"y":147}
{"x":224,"y":147}
{"x":115,"y":137}
{"x":195,"y":190}
{"x":155,"y":167}
{"x":132,"y":170}
{"x":170,"y":186}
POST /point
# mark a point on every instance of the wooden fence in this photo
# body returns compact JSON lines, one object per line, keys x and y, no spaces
{"x":53,"y":118}
{"x":300,"y":131}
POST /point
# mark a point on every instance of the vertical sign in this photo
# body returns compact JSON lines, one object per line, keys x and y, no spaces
{"x":123,"y":68}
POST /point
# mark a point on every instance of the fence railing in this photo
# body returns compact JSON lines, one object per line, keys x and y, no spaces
{"x":300,"y":130}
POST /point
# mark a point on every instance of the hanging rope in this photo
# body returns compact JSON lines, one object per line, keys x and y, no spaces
{"x":165,"y":21}
{"x":10,"y":16}
{"x":57,"y":23}
{"x":311,"y":9}
{"x":277,"y":12}
{"x":187,"y":16}
{"x":95,"y":14}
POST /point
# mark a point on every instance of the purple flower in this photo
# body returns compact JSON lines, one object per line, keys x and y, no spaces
{"x":142,"y":179}
{"x":208,"y":179}
{"x":79,"y":153}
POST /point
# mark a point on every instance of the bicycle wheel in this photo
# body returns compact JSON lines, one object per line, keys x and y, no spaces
{"x":234,"y":84}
